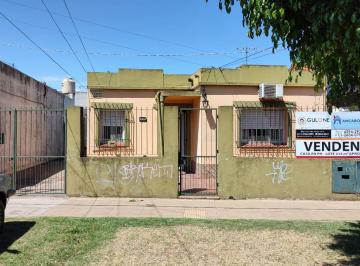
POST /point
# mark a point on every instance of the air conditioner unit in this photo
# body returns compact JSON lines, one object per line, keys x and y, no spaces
{"x":271,"y":91}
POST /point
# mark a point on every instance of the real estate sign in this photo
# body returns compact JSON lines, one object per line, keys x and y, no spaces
{"x":331,"y":148}
{"x":319,"y":134}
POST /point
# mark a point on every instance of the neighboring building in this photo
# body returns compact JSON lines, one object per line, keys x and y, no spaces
{"x":20,"y":90}
{"x":81,"y":99}
{"x":35,"y":112}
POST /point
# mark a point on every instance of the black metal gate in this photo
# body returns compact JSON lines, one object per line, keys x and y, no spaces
{"x":32,"y":149}
{"x":198,"y":151}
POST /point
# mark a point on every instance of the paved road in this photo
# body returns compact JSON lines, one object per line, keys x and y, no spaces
{"x":26,"y":206}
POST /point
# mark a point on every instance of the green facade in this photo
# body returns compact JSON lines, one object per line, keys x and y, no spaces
{"x":238,"y":177}
{"x":122,"y":177}
{"x":247,"y":75}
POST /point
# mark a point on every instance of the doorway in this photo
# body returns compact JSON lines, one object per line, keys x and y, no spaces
{"x":197,"y":151}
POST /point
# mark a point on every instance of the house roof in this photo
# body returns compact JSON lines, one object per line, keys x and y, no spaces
{"x":250,"y":75}
{"x":137,"y":79}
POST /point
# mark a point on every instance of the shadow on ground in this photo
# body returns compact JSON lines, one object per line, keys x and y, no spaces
{"x":12,"y":232}
{"x":347,"y":242}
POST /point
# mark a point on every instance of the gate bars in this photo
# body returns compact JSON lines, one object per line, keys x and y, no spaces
{"x":198,"y":151}
{"x":32,"y":149}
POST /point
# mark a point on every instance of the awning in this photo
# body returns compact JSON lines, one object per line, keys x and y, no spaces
{"x":260,"y":104}
{"x":113,"y":106}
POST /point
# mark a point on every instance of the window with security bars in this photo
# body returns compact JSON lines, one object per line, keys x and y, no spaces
{"x":263,"y":127}
{"x":112,"y":127}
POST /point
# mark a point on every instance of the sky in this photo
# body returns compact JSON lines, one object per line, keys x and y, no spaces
{"x":178,"y":36}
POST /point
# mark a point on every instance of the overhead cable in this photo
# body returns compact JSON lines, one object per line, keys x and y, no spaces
{"x":82,"y":43}
{"x":63,"y":35}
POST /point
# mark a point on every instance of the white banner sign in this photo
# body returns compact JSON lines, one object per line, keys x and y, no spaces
{"x":327,"y":148}
{"x":345,"y":134}
{"x":313,"y":120}
{"x":345,"y":120}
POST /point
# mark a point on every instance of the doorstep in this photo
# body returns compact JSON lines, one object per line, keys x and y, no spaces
{"x":198,"y":197}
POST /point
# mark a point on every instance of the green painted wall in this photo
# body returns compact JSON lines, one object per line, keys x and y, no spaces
{"x":158,"y":176}
{"x":268,"y":177}
{"x":122,"y":177}
{"x":246,"y":75}
{"x":251,"y":75}
{"x":137,"y":79}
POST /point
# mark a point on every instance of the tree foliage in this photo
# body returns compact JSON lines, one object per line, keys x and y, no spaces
{"x":321,"y":35}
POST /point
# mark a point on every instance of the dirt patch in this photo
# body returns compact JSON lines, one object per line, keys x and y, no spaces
{"x":197,"y":245}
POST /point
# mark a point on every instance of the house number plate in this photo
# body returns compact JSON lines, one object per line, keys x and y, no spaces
{"x":142,"y":119}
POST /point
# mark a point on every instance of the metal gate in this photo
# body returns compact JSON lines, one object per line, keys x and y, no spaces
{"x":198,"y":151}
{"x":32,"y":149}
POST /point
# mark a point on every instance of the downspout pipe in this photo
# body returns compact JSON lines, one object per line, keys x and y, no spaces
{"x":160,"y":102}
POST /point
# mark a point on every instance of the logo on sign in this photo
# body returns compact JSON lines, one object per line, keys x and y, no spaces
{"x":337,"y":119}
{"x":302,"y":120}
{"x":345,"y":120}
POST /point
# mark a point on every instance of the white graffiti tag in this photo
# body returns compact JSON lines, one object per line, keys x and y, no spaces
{"x":132,"y":172}
{"x":279,"y":173}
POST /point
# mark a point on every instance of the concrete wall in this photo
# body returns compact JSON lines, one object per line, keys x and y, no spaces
{"x":19,"y":89}
{"x":268,"y":177}
{"x":122,"y":176}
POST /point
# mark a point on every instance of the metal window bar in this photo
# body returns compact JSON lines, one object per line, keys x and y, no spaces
{"x":272,"y":133}
{"x":121,"y":132}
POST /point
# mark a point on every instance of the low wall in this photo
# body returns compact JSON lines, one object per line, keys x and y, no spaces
{"x":122,"y":177}
{"x":268,"y":177}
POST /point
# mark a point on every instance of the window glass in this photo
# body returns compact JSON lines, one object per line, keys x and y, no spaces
{"x":112,"y":124}
{"x":261,"y":126}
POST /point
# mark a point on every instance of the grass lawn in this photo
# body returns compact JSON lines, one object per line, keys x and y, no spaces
{"x":109,"y":241}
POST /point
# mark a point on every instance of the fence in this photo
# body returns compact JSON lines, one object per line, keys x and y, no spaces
{"x":32,"y":149}
{"x":267,"y":131}
{"x":129,"y":132}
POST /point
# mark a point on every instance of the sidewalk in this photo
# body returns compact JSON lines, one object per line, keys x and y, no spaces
{"x":26,"y":206}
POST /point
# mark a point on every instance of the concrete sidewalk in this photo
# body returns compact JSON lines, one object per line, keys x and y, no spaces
{"x":26,"y":206}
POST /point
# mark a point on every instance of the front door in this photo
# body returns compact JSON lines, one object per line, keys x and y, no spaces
{"x":197,"y":151}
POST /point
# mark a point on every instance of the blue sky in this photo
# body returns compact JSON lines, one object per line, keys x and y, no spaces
{"x":179,"y":36}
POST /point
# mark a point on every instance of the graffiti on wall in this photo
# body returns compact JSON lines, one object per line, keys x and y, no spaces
{"x":279,"y":172}
{"x":131,"y":172}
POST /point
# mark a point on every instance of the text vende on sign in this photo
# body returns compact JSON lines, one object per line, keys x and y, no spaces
{"x":327,"y":148}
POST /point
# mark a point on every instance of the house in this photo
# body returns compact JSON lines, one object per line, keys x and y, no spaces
{"x":143,"y":90}
{"x":222,"y":132}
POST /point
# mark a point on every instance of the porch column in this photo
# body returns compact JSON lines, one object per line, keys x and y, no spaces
{"x":225,"y":146}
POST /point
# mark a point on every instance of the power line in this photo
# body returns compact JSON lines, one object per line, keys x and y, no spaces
{"x":109,"y":43}
{"x":247,"y":50}
{"x":111,"y":27}
{"x":34,"y":43}
{"x":39,"y":47}
{"x":82,"y":43}
{"x":62,"y":34}
{"x":271,"y":53}
{"x":263,"y":55}
{"x":245,"y":57}
{"x":96,"y":53}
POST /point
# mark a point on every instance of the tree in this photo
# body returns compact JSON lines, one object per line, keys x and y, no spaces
{"x":321,"y":35}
